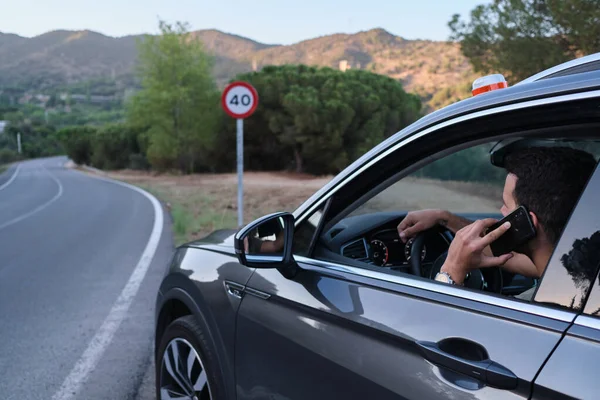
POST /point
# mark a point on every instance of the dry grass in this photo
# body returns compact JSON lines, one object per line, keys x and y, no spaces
{"x":202,"y":203}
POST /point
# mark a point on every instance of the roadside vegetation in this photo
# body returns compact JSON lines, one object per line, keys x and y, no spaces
{"x":520,"y":38}
{"x":310,"y":120}
{"x":201,"y":203}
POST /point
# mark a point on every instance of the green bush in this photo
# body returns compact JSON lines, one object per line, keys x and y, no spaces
{"x":37,"y":138}
{"x":138,"y":162}
{"x":315,"y":120}
{"x":77,"y":142}
{"x":113,"y":145}
{"x":469,"y":165}
{"x":8,"y":156}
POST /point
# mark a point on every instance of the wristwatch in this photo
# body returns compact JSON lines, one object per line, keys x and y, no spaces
{"x":445,"y":277}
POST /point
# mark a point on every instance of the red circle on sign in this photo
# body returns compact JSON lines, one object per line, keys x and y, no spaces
{"x":252,"y":91}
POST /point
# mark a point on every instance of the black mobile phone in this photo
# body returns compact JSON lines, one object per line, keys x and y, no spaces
{"x":520,"y":232}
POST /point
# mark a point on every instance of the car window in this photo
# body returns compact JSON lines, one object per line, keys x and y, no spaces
{"x":305,"y":233}
{"x":462,"y":182}
{"x":573,"y":268}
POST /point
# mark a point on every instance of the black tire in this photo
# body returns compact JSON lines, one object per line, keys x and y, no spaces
{"x":187,"y":329}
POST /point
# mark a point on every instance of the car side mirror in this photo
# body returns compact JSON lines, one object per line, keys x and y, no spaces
{"x":266,"y":242}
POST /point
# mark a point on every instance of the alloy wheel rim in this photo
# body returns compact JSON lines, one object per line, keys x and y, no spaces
{"x":182,"y":374}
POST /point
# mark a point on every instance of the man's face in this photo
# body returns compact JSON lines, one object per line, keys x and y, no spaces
{"x":509,"y":204}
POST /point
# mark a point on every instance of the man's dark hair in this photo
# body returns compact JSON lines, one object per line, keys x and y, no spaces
{"x":549,"y":183}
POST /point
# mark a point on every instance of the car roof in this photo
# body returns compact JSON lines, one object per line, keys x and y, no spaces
{"x":514,"y":94}
{"x":543,"y":88}
{"x":576,"y":66}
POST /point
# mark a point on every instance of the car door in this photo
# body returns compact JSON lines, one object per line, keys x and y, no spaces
{"x":571,"y":370}
{"x":336,"y":330}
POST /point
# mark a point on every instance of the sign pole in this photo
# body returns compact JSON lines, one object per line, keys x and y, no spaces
{"x":239,"y":100}
{"x":240,"y":170}
{"x":19,"y":142}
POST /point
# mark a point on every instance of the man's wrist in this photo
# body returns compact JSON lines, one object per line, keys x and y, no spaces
{"x":443,"y":218}
{"x":451,"y":221}
{"x":457,"y":275}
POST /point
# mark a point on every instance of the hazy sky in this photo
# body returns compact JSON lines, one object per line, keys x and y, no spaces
{"x":268,"y":21}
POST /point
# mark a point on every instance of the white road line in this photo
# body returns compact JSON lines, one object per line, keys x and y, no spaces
{"x":101,"y":340}
{"x":39,"y":208}
{"x":12,"y":178}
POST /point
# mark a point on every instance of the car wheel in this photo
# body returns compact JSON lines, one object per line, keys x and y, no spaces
{"x":185,"y":368}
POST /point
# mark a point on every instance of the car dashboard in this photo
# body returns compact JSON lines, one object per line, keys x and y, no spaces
{"x":384,"y":248}
{"x":374,"y":239}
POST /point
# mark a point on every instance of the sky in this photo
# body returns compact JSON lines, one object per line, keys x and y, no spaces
{"x":267,"y":21}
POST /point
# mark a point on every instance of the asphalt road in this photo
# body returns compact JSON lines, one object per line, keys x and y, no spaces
{"x":76,"y":295}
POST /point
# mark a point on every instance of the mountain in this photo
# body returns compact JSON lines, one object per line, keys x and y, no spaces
{"x":59,"y":57}
{"x":233,"y":54}
{"x":428,"y":68}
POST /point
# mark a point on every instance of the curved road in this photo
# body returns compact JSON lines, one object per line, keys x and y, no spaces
{"x":76,"y":295}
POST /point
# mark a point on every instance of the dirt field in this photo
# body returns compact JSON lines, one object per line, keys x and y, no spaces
{"x":201,"y":203}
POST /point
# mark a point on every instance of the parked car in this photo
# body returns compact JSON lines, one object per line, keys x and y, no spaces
{"x":339,"y":307}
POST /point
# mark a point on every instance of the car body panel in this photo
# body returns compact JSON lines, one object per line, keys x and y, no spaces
{"x":362,"y":337}
{"x":198,"y":279}
{"x":571,"y":371}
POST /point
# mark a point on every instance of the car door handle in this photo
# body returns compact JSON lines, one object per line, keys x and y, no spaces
{"x":484,"y":370}
{"x":234,"y":289}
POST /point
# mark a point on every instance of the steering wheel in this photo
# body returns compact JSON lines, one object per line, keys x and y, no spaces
{"x":489,"y":279}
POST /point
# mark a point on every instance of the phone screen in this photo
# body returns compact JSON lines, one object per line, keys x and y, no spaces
{"x":521,"y":230}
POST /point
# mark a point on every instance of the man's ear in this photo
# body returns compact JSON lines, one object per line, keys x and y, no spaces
{"x":535,"y":220}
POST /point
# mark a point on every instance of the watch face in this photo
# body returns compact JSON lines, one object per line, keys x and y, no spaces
{"x":442,"y":278}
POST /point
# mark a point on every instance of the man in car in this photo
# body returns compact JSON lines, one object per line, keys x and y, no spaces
{"x":547,"y":181}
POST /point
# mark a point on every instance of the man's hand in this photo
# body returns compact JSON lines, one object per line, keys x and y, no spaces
{"x":466,"y":251}
{"x":419,"y":221}
{"x":274,"y":246}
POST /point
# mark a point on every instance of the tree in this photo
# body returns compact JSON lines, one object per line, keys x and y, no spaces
{"x":178,"y":102}
{"x":520,"y":38}
{"x":318,"y":120}
{"x":77,"y":142}
{"x":114,"y":146}
{"x":37,"y":138}
{"x":581,"y":262}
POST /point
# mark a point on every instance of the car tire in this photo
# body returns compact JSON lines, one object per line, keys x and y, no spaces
{"x":181,"y":339}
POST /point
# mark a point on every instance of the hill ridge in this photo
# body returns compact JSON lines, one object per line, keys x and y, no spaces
{"x":62,"y":57}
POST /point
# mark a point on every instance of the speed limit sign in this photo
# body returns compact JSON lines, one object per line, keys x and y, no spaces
{"x":240,"y":100}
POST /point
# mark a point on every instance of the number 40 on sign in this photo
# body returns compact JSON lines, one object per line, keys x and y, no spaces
{"x":239,"y":100}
